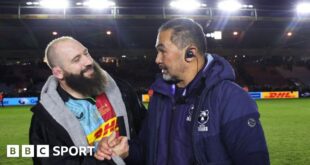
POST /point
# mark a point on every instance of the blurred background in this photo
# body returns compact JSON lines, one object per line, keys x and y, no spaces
{"x":267,"y":43}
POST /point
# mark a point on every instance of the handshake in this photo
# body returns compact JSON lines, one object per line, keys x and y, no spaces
{"x":112,"y":146}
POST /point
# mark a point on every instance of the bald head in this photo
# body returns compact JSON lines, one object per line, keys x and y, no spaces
{"x":54,"y":51}
{"x":74,"y":68}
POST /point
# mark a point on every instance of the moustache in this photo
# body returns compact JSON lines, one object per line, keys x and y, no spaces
{"x":162,"y":66}
{"x":88,"y":67}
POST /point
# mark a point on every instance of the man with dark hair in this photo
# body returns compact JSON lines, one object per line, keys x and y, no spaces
{"x":197,"y":114}
{"x":82,"y":106}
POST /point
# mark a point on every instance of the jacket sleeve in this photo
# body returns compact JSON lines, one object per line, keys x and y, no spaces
{"x":242,"y":131}
{"x":41,"y":134}
{"x":137,"y":148}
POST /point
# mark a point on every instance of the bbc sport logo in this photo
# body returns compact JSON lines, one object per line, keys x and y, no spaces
{"x":13,"y":151}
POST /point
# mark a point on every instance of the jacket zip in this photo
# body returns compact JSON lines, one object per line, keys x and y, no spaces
{"x":201,"y":97}
{"x":157,"y":128}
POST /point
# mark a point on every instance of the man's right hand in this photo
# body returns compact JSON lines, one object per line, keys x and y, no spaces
{"x":122,"y":148}
{"x":112,"y":146}
{"x":104,"y":148}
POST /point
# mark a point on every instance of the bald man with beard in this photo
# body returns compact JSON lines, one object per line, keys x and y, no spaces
{"x":81,"y":105}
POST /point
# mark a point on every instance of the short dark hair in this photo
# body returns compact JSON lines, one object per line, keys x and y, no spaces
{"x":185,"y":32}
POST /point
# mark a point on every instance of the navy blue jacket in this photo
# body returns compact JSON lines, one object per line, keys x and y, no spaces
{"x":226,"y":127}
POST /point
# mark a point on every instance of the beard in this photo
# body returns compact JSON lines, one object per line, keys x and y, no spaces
{"x":168,"y":77}
{"x":92,"y":86}
{"x":171,"y":80}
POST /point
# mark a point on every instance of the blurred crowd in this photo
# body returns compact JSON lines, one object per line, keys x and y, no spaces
{"x":253,"y":73}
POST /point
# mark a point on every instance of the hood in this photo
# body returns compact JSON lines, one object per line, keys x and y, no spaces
{"x":217,"y":70}
{"x":55,"y":106}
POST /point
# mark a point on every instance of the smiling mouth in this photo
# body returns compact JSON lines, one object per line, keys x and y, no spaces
{"x":164,"y":71}
{"x":88,"y":69}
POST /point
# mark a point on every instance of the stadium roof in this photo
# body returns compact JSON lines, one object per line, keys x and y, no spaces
{"x":135,"y":22}
{"x":262,"y":4}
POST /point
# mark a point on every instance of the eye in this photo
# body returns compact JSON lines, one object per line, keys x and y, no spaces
{"x":76,"y":59}
{"x":85,"y":52}
{"x":161,"y":51}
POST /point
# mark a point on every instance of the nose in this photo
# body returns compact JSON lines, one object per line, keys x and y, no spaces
{"x":158,"y":59}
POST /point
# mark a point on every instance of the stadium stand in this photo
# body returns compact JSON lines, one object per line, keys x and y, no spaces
{"x":255,"y":73}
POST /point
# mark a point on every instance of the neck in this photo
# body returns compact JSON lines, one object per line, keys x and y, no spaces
{"x":70,"y":91}
{"x":194,"y":68}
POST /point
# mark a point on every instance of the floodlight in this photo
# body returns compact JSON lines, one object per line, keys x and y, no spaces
{"x":99,"y":4}
{"x":303,"y":8}
{"x":79,"y":3}
{"x":108,"y":32}
{"x":186,"y":5}
{"x":217,"y":35}
{"x":229,"y":5}
{"x":203,"y":5}
{"x":30,"y":3}
{"x":248,"y":6}
{"x":289,"y":34}
{"x":55,"y":4}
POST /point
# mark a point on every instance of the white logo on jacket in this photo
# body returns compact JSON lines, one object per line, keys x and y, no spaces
{"x":203,"y":119}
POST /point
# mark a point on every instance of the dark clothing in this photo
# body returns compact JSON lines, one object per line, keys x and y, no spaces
{"x":45,"y":129}
{"x":136,"y":111}
{"x":225,"y":127}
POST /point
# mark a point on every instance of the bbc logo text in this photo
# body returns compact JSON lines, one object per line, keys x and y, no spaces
{"x":15,"y":151}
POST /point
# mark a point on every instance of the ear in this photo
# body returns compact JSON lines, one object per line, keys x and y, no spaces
{"x":193,"y":51}
{"x":58,"y":72}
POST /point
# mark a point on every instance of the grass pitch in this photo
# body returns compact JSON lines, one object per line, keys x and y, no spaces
{"x":286,"y":124}
{"x":14,"y":127}
{"x":287,"y":129}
